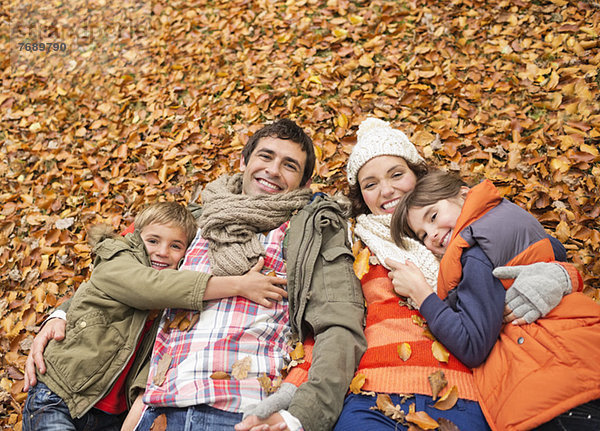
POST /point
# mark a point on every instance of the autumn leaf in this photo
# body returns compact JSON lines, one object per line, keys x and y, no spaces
{"x":361,"y":263}
{"x":160,"y":423}
{"x":422,"y":419}
{"x":439,"y":352}
{"x":448,"y":400}
{"x":357,"y":383}
{"x":418,"y":320}
{"x":384,"y":404}
{"x":241,"y":367}
{"x":161,"y":369}
{"x":298,"y":352}
{"x":404,"y":351}
{"x":437,"y":381}
{"x":220,"y":375}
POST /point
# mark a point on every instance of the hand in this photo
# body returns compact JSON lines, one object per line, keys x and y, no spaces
{"x":537,"y":289}
{"x":260,"y":288}
{"x":54,"y":329}
{"x":280,"y":400}
{"x":134,"y":414}
{"x":274,"y":422}
{"x":408,"y":280}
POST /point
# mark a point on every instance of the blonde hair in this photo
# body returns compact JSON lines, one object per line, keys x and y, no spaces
{"x":168,"y":213}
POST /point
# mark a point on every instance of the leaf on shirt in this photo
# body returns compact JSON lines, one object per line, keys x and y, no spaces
{"x":161,"y":369}
{"x":268,"y":385}
{"x":448,"y":400}
{"x":298,"y":352}
{"x":437,"y":381}
{"x":361,"y":263}
{"x":172,"y":324}
{"x":192,"y":322}
{"x":404,"y":351}
{"x":220,"y":375}
{"x":240,"y":368}
{"x":439,"y":352}
{"x":159,"y":424}
{"x":421,"y":419}
{"x":357,"y":383}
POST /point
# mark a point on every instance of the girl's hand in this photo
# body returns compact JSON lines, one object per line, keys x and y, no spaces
{"x":408,"y":280}
{"x":260,"y":288}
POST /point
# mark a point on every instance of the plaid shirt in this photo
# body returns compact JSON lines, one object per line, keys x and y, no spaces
{"x":228,"y":330}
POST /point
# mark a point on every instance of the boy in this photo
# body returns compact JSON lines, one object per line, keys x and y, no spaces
{"x":110,"y":331}
{"x":532,"y":373}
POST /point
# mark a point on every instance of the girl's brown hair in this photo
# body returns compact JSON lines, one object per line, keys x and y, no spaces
{"x":435,"y":186}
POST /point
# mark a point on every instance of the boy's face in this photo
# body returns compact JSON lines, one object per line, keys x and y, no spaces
{"x":434,"y":224}
{"x":275,"y":166}
{"x":166,"y":245}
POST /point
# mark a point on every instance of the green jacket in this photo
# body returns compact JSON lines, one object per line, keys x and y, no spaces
{"x":105,"y":318}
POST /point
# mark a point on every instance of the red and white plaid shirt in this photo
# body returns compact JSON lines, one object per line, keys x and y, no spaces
{"x":228,"y":330}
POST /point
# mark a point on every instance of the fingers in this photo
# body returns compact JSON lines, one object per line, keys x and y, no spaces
{"x":507,"y":272}
{"x":30,"y":378}
{"x":393,"y":264}
{"x":258,"y":265}
{"x":520,"y":321}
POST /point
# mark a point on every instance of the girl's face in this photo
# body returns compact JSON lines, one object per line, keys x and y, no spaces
{"x":383,"y":181}
{"x":433,"y":224}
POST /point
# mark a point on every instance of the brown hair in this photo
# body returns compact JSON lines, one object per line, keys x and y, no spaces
{"x":435,"y":186}
{"x":288,"y":130}
{"x":168,"y":213}
{"x":355,"y":194}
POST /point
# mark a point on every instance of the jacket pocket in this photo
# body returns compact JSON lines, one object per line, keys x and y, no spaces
{"x":341,"y":285}
{"x":89,"y":350}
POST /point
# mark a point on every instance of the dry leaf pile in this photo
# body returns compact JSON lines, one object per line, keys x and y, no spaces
{"x":150,"y":99}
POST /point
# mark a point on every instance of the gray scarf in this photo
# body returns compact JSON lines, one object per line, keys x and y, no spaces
{"x":230,"y":221}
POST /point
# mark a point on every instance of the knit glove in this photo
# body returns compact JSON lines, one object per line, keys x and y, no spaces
{"x":280,"y":400}
{"x":537,"y":288}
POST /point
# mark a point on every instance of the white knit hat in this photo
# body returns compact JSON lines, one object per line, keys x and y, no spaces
{"x":376,"y":137}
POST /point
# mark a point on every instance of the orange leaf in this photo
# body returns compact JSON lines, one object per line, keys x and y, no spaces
{"x":439,"y":352}
{"x":361,"y":263}
{"x":404,"y":351}
{"x":448,"y":400}
{"x":357,"y":383}
{"x":220,"y":375}
{"x":423,"y":420}
{"x":298,"y":352}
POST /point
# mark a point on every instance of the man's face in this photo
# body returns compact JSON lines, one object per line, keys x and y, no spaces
{"x":275,"y":166}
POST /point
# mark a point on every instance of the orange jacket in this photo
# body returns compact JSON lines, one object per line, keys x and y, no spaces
{"x":534,"y":372}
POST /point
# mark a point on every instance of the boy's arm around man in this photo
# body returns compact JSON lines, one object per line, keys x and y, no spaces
{"x":325,"y":299}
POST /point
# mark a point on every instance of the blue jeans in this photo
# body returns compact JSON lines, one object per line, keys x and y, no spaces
{"x":357,"y":414}
{"x":585,"y":417}
{"x":46,"y":411}
{"x":194,"y":418}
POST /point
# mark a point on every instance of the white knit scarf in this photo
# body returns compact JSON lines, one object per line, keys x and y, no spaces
{"x":374,"y":232}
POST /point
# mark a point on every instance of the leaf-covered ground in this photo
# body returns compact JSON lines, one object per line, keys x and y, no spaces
{"x":149,"y":99}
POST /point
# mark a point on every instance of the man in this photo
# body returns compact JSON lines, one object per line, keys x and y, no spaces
{"x":266,"y":211}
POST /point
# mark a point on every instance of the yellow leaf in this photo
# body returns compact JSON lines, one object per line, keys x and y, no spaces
{"x":342,"y":121}
{"x":418,"y":320}
{"x":315,"y":79}
{"x":589,"y":149}
{"x":563,"y":232}
{"x":356,"y":19}
{"x":35,"y":127}
{"x":366,"y":60}
{"x":422,"y":419}
{"x":60,"y":91}
{"x":340,"y":32}
{"x":361,"y":263}
{"x":560,"y":164}
{"x":298,"y":352}
{"x":404,"y":351}
{"x":439,"y":352}
{"x":428,"y":334}
{"x":240,"y":368}
{"x":356,"y":247}
{"x":448,"y":400}
{"x":357,"y":383}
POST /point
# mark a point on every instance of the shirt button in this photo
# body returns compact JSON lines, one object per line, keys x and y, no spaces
{"x":83,"y":324}
{"x":521,"y":340}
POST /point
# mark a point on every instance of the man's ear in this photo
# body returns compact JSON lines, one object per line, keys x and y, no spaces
{"x":308,"y":183}
{"x":242,"y":164}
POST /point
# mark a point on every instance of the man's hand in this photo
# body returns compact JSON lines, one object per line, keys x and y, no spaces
{"x":274,"y":422}
{"x":54,"y":329}
{"x":537,"y":289}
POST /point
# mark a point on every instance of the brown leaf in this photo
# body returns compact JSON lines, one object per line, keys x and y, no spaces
{"x":422,"y":419}
{"x":160,"y":423}
{"x":241,"y":367}
{"x":437,"y":381}
{"x":298,"y":352}
{"x":220,"y":375}
{"x":447,"y":425}
{"x":448,"y":400}
{"x":439,"y":352}
{"x":384,"y":404}
{"x":404,"y":351}
{"x":161,"y":369}
{"x":357,"y":383}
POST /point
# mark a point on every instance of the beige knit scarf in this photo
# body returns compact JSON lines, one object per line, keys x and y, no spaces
{"x":230,"y":221}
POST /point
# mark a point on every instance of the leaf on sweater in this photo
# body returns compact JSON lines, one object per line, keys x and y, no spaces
{"x":448,"y":400}
{"x":447,"y":425}
{"x":361,"y":263}
{"x":421,"y":419}
{"x":418,"y":320}
{"x":437,"y":381}
{"x":357,"y":383}
{"x":159,"y":424}
{"x":357,"y":247}
{"x":298,"y":352}
{"x":439,"y":352}
{"x":384,"y":404}
{"x":240,"y":368}
{"x":161,"y":369}
{"x":220,"y":375}
{"x":404,"y":351}
{"x":427,"y":334}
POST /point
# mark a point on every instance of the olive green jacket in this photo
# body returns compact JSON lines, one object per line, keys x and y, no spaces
{"x":105,"y":319}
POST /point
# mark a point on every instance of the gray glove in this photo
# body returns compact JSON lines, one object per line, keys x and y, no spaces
{"x":537,"y":288}
{"x":280,"y":400}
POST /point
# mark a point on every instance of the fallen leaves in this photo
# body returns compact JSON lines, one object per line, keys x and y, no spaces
{"x":404,"y":351}
{"x":357,"y":383}
{"x":439,"y":352}
{"x":361,"y":263}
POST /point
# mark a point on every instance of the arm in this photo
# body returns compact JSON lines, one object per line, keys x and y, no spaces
{"x":134,"y":414}
{"x":468,"y":322}
{"x":53,"y":329}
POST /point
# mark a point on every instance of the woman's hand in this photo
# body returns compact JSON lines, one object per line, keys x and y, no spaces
{"x":408,"y":280}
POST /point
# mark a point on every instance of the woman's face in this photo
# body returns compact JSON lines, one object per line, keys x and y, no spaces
{"x":383,"y":180}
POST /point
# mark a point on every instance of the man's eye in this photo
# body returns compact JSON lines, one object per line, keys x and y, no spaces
{"x":291,"y":167}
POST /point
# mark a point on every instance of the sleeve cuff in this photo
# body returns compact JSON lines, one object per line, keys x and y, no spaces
{"x":291,"y":421}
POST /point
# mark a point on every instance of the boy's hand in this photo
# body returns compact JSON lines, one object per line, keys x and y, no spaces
{"x":54,"y":329}
{"x":260,"y":288}
{"x":408,"y":280}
